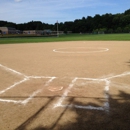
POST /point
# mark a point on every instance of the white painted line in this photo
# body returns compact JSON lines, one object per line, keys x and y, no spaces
{"x":24,"y":80}
{"x":11,"y":70}
{"x":120,"y":75}
{"x":49,"y":81}
{"x":89,"y":107}
{"x":62,"y":50}
{"x":14,"y":85}
{"x":106,"y":104}
{"x":24,"y":102}
{"x":39,"y":77}
{"x":65,"y":94}
{"x":10,"y":101}
{"x":38,"y":91}
{"x":30,"y":97}
{"x":107,"y":81}
{"x":84,"y":107}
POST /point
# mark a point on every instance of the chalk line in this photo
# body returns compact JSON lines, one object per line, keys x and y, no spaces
{"x":106,"y":94}
{"x":84,"y":107}
{"x":107,"y":81}
{"x":106,"y":106}
{"x":65,"y":94}
{"x":14,"y":85}
{"x":25,"y":78}
{"x":120,"y":75}
{"x":38,"y":91}
{"x":98,"y":50}
{"x":106,"y":89}
{"x":11,"y":70}
{"x":11,"y":101}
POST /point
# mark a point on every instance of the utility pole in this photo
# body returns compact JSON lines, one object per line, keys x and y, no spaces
{"x":57,"y":29}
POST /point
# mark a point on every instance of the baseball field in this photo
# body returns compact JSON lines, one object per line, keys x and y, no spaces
{"x":65,"y":85}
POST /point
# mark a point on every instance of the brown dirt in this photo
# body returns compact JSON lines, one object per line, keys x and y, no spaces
{"x":38,"y":59}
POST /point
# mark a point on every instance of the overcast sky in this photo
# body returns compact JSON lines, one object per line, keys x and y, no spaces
{"x":49,"y":11}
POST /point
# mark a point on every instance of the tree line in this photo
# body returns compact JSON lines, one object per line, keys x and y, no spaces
{"x":106,"y":23}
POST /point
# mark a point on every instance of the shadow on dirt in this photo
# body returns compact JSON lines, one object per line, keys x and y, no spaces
{"x":128,"y":63}
{"x":118,"y":116}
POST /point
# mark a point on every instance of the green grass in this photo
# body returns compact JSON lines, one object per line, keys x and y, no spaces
{"x":69,"y":37}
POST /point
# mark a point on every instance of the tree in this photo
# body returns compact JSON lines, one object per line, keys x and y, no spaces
{"x":119,"y":30}
{"x":1,"y":33}
{"x":126,"y":29}
{"x":110,"y":30}
{"x":112,"y":23}
{"x":127,"y":12}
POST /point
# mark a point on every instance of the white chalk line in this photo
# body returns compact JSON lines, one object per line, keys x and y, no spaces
{"x":89,"y":107}
{"x":121,"y":85}
{"x":24,"y":102}
{"x":11,"y":101}
{"x":11,"y":70}
{"x":65,"y":94}
{"x":14,"y":85}
{"x":60,"y":101}
{"x":36,"y":92}
{"x":98,"y":50}
{"x":105,"y":106}
{"x":25,"y":78}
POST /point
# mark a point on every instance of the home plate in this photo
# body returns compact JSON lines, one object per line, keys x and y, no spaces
{"x":53,"y":88}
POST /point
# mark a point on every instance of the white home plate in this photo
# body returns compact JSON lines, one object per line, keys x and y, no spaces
{"x":52,"y":88}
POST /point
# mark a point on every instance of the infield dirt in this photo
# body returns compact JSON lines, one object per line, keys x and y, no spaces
{"x":81,"y":71}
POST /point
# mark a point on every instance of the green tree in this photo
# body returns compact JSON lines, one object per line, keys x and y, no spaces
{"x":126,"y":29}
{"x":1,"y":33}
{"x":119,"y":30}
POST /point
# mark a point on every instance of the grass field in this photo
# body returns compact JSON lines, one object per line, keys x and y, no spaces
{"x":69,"y":37}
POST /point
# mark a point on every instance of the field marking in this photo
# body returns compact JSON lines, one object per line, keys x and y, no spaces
{"x":12,"y":71}
{"x":106,"y":95}
{"x":61,"y":50}
{"x":65,"y":94}
{"x":14,"y":85}
{"x":59,"y":103}
{"x":38,"y":91}
{"x":25,"y":78}
{"x":105,"y":107}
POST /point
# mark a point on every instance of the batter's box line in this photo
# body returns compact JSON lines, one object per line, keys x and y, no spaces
{"x":71,"y":85}
{"x":24,"y":102}
{"x":106,"y":105}
{"x":25,"y":78}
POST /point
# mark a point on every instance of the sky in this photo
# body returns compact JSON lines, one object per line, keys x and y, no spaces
{"x":51,"y":11}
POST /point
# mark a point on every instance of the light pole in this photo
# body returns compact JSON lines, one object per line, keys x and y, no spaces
{"x":57,"y":29}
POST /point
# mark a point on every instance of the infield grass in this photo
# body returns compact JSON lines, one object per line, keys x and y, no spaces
{"x":68,"y":37}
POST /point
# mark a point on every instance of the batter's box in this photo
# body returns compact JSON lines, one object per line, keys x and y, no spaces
{"x":23,"y":91}
{"x":7,"y":78}
{"x":85,"y":93}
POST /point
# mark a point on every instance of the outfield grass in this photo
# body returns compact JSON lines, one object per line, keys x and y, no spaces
{"x":68,"y":37}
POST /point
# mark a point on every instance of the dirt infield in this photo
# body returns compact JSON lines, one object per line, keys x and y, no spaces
{"x":65,"y":86}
